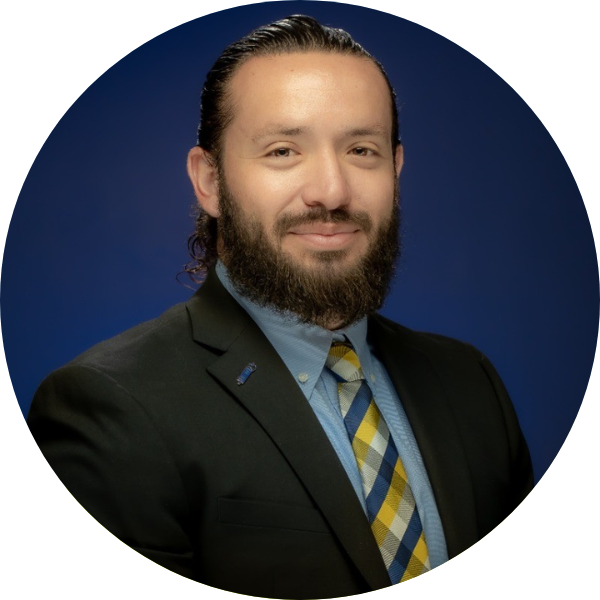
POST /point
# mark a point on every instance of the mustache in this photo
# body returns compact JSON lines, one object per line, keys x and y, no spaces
{"x":319,"y":214}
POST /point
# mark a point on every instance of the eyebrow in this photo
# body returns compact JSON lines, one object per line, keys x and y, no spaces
{"x":355,"y":132}
{"x":368,"y":131}
{"x":284,"y":131}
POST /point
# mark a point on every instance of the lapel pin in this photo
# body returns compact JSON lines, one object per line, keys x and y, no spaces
{"x":243,"y":376}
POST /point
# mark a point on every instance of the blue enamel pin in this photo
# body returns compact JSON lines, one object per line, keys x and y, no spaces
{"x":243,"y":376}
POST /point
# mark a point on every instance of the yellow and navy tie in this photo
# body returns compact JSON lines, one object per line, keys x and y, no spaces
{"x":391,"y":507}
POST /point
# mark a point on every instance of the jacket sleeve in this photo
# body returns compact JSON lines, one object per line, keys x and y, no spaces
{"x":520,"y":460}
{"x":97,"y":438}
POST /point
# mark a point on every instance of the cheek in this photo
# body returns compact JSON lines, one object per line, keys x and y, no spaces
{"x":377,"y":199}
{"x":265,"y":192}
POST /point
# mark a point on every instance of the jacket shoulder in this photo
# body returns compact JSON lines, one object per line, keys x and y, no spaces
{"x":432,"y":344}
{"x":140,"y":344}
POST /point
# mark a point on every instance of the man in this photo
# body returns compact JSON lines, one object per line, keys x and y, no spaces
{"x":274,"y":436}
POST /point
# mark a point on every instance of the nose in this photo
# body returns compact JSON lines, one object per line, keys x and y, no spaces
{"x":326,"y":182}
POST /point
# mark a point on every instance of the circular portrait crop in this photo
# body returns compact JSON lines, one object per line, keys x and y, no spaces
{"x":299,"y":300}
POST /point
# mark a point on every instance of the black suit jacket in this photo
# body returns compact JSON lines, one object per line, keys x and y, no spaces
{"x":237,"y":486}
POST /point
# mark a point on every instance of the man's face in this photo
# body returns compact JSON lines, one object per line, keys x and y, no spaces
{"x":307,"y":185}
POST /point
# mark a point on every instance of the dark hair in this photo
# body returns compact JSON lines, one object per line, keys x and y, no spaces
{"x":296,"y":33}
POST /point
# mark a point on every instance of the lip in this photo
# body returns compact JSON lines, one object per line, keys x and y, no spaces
{"x":324,"y":229}
{"x":326,"y":236}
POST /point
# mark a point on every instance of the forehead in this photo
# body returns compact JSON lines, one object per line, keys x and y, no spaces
{"x":309,"y":86}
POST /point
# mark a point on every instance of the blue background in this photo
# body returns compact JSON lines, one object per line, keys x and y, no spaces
{"x":497,"y":247}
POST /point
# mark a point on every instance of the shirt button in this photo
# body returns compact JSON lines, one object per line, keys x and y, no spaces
{"x":302,"y":377}
{"x":372,"y":378}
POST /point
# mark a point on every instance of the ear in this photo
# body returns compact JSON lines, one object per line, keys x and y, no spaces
{"x":203,"y":175}
{"x":399,"y":159}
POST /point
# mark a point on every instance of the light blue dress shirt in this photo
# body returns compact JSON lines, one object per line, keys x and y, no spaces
{"x":304,"y":349}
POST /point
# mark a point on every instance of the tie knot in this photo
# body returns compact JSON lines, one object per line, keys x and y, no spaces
{"x":344,"y":363}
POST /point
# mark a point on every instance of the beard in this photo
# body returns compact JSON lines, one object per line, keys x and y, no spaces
{"x":328,"y":293}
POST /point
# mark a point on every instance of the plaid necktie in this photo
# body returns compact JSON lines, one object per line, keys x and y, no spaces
{"x":391,"y":507}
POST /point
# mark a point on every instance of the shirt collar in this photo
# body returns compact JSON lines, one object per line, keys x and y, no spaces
{"x":303,"y":347}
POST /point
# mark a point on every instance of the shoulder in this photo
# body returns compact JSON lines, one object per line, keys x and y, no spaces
{"x":389,"y":335}
{"x":140,"y":342}
{"x":459,"y":367}
{"x":135,"y":366}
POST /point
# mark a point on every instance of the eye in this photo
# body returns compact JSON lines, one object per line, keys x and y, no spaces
{"x":281,"y":152}
{"x":362,"y":151}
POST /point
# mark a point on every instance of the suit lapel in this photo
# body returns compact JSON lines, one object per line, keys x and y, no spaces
{"x":272,"y":396}
{"x":426,"y":405}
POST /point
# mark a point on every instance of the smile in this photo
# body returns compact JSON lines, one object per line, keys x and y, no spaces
{"x":326,"y":236}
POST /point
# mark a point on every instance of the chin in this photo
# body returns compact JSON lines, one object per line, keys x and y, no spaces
{"x":330,"y":261}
